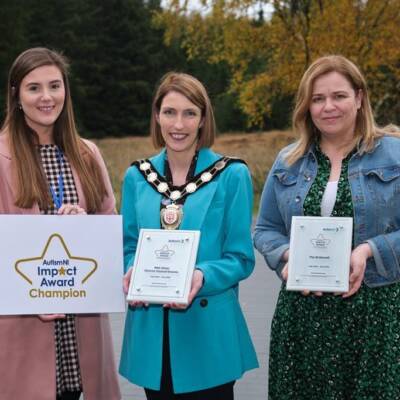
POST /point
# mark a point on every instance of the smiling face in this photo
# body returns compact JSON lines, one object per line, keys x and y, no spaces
{"x":179,"y":121}
{"x":334,"y":105}
{"x":42,"y":96}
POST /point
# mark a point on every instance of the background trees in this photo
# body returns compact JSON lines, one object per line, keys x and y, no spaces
{"x":117,"y":56}
{"x":267,"y":57}
{"x":250,"y":60}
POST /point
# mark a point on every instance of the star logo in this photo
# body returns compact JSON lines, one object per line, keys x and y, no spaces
{"x":320,"y":241}
{"x":164,"y":253}
{"x":57,"y":255}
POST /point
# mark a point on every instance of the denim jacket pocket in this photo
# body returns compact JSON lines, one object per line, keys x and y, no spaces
{"x":383,"y":185}
{"x":385,"y":174}
{"x":285,"y":177}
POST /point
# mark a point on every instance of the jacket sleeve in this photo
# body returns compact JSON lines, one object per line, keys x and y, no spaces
{"x":237,"y":256}
{"x":129,"y":218}
{"x":380,"y":182}
{"x":271,"y":238}
{"x":386,"y":253}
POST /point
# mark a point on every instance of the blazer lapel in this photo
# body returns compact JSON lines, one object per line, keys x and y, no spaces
{"x":149,"y":198}
{"x":149,"y":216}
{"x":198,"y":203}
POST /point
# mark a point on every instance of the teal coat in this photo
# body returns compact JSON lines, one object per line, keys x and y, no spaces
{"x":210,"y":345}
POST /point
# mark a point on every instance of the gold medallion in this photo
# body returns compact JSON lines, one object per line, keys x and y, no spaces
{"x":171,"y":216}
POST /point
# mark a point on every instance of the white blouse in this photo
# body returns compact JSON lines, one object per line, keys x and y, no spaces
{"x":329,"y":198}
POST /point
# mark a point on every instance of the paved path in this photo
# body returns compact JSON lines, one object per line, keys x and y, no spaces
{"x":258,"y":297}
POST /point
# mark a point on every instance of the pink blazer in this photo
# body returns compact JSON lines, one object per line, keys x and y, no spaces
{"x":27,"y":346}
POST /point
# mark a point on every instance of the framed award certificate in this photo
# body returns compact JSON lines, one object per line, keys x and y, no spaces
{"x":163,"y":266}
{"x":319,"y":254}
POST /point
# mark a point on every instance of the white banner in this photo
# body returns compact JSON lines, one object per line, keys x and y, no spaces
{"x":61,"y":264}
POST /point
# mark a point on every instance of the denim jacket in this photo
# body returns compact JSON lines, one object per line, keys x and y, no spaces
{"x":374,"y":180}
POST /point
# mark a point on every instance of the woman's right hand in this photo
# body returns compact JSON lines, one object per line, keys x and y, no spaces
{"x":126,"y":280}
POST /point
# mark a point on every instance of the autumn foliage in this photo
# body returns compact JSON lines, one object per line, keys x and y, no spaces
{"x":267,"y":54}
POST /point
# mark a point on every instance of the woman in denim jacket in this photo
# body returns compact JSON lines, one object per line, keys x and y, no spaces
{"x":330,"y":346}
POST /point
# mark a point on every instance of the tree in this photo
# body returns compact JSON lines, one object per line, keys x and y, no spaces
{"x":116,"y":55}
{"x":12,"y":34}
{"x":268,"y":58}
{"x":115,"y":59}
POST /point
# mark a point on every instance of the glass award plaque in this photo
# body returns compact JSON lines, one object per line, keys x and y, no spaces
{"x":319,"y":254}
{"x":163,"y":266}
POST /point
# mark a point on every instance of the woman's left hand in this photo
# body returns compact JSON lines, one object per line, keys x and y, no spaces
{"x":71,"y":209}
{"x":358,"y":263}
{"x":197,"y":283}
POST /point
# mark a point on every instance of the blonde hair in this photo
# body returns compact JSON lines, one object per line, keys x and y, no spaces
{"x":32,"y":186}
{"x":194,"y":91}
{"x":366,"y":130}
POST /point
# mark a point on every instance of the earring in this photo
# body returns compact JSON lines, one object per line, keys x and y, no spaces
{"x":19,"y":106}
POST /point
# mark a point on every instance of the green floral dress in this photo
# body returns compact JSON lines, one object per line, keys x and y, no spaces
{"x":330,"y":348}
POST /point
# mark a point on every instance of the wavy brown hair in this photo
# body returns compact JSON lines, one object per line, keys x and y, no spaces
{"x":192,"y":89}
{"x":366,"y":130}
{"x":32,"y":186}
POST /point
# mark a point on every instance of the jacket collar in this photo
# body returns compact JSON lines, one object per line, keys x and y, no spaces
{"x":313,"y":148}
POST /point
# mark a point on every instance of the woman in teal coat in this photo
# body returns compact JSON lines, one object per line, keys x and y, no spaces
{"x":196,"y":351}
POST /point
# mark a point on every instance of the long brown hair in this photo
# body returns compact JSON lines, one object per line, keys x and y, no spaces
{"x":192,"y":89}
{"x":31,"y":182}
{"x":366,"y":130}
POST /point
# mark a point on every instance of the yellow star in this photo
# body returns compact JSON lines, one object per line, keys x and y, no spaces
{"x":62,"y":270}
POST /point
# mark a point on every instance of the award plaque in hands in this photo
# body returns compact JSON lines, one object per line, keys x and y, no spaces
{"x":163,"y":266}
{"x":319,"y":254}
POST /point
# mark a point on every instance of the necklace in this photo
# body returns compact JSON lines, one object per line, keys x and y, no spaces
{"x":171,"y":216}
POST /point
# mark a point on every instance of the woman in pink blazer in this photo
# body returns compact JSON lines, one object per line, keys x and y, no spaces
{"x":46,"y":168}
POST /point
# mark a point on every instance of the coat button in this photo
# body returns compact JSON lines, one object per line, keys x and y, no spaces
{"x":203,"y":303}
